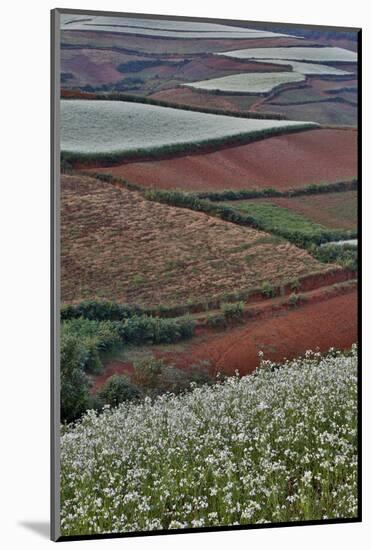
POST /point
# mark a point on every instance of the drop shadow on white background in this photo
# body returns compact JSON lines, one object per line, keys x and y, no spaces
{"x":41,"y":528}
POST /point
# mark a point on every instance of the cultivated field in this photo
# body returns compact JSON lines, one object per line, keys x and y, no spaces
{"x":242,"y":452}
{"x":164,"y":28}
{"x":329,"y":112}
{"x":329,"y":54}
{"x":274,"y":216}
{"x":281,"y":162}
{"x":308,"y":68}
{"x":112,"y":70}
{"x":332,"y":210}
{"x":108,"y":234}
{"x":119,"y":127}
{"x":258,"y":83}
{"x":208,"y":216}
{"x":153,"y":46}
{"x":192,"y":98}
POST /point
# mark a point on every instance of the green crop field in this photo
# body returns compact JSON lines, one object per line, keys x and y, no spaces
{"x":274,"y":217}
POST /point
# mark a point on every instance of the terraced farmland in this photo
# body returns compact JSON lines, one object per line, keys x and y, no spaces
{"x":281,"y":162}
{"x":108,"y":234}
{"x":209,"y":172}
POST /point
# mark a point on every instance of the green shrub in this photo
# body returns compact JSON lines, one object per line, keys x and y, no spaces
{"x":147,"y":373}
{"x":268,"y":289}
{"x":99,"y":311}
{"x":216,"y":321}
{"x":233,"y":311}
{"x":295,"y":284}
{"x":241,"y":194}
{"x":293,"y":299}
{"x":93,"y":363}
{"x":344,"y":255}
{"x":117,"y":389}
{"x":74,"y":391}
{"x":154,"y":330}
{"x":154,"y":377}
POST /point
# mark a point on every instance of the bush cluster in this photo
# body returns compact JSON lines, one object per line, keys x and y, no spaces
{"x":84,"y":340}
{"x":313,"y":189}
{"x":345,"y":255}
{"x":233,"y":311}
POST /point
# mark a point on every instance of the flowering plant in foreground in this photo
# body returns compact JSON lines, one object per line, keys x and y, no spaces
{"x":278,"y":445}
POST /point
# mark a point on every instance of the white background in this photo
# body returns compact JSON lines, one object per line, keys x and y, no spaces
{"x":24,"y":254}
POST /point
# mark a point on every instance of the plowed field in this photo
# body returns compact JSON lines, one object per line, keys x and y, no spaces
{"x":282,"y":162}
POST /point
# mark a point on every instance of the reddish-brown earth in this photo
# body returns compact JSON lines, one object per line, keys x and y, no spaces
{"x":279,"y":332}
{"x":193,"y":98}
{"x":113,"y":367}
{"x":328,"y":85}
{"x":95,"y":67}
{"x":146,"y":45}
{"x":326,"y":112}
{"x":282,"y":162}
{"x":330,"y":323}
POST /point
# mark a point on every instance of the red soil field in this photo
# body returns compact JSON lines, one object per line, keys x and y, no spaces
{"x":193,"y":98}
{"x":90,"y":72}
{"x":148,"y":45}
{"x":328,"y":113}
{"x":282,"y":162}
{"x":286,"y":333}
{"x":322,"y":85}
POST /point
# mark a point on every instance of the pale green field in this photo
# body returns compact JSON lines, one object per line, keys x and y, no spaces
{"x":247,"y":82}
{"x":161,"y":28}
{"x":326,"y":53}
{"x":89,"y":126}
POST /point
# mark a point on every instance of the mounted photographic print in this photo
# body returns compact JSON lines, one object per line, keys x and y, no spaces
{"x":205,"y":226}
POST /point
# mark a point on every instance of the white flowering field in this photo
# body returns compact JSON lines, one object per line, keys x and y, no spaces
{"x":247,"y":82}
{"x":89,"y":126}
{"x":325,"y":53}
{"x":279,"y":445}
{"x":161,"y":28}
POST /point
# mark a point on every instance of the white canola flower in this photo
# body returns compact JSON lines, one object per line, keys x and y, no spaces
{"x":276,"y":446}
